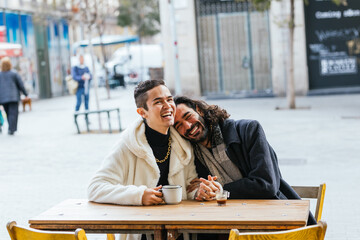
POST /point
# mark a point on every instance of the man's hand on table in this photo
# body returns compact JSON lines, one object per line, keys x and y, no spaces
{"x":207,"y":188}
{"x":194,"y":184}
{"x":152,"y":196}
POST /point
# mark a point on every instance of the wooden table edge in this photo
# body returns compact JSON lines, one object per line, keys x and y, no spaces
{"x":89,"y":227}
{"x":234,"y":226}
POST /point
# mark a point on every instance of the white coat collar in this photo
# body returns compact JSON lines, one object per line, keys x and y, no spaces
{"x":181,"y":149}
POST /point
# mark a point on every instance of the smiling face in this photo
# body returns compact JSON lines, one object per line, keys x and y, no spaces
{"x":160,"y":112}
{"x":190,"y":124}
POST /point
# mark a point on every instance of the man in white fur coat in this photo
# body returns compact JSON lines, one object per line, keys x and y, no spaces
{"x":149,"y":154}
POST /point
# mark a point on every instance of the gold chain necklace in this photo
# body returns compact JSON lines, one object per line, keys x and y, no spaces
{"x":167,"y":154}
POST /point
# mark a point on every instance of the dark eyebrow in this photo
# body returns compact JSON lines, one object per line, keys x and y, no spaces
{"x":160,"y":98}
{"x":185,"y":114}
{"x":156,"y":99}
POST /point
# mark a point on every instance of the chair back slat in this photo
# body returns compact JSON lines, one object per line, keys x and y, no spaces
{"x":306,"y":192}
{"x":22,"y":233}
{"x":312,"y":192}
{"x":314,"y":232}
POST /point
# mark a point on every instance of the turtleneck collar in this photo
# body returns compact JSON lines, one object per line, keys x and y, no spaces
{"x":155,"y":138}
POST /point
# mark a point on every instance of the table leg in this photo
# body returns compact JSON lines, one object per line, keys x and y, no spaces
{"x":172,"y":234}
{"x":87,"y":122}
{"x":76,"y":123}
{"x":108,"y":114}
{"x":159,"y":234}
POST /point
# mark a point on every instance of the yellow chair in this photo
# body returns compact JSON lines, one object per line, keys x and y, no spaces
{"x":110,"y":236}
{"x":21,"y":233}
{"x":314,"y":232}
{"x":313,"y":193}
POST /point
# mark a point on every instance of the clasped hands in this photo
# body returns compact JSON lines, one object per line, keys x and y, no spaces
{"x":206,"y":188}
{"x":205,"y":191}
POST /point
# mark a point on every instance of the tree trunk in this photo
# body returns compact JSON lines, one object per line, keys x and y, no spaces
{"x":290,"y":83}
{"x":93,"y":66}
{"x":104,"y":60}
{"x":141,"y":74}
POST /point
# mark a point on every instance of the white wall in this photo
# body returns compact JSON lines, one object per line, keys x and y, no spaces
{"x":187,"y":46}
{"x":279,"y":13}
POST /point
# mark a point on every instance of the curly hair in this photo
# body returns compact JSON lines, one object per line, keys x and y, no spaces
{"x":140,"y":92}
{"x":213,"y":114}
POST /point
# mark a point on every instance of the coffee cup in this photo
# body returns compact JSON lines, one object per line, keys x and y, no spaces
{"x":172,"y":194}
{"x":221,"y":197}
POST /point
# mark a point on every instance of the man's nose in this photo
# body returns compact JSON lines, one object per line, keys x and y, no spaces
{"x":166,"y":104}
{"x":187,"y":125}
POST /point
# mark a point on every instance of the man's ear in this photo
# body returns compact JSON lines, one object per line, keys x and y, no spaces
{"x":198,"y":110}
{"x":142,"y":112}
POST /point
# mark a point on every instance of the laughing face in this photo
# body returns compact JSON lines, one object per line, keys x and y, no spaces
{"x":161,"y":109}
{"x":190,"y":124}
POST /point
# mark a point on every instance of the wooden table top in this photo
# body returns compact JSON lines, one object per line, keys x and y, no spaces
{"x":246,"y":212}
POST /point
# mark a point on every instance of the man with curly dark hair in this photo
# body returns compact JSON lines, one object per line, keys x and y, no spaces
{"x":236,"y":151}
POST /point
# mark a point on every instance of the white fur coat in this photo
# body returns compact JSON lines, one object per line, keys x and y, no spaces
{"x":131,"y":168}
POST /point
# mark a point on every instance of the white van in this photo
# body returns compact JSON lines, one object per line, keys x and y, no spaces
{"x":134,"y":61}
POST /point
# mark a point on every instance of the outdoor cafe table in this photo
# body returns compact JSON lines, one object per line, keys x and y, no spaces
{"x":169,"y":220}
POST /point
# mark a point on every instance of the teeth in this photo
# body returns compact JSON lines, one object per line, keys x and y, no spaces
{"x":166,"y":114}
{"x":194,"y":130}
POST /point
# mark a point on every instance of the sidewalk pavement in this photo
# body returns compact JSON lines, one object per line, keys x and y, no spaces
{"x":47,"y":161}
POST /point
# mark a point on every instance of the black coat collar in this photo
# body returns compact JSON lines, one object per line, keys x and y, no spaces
{"x":227,"y":130}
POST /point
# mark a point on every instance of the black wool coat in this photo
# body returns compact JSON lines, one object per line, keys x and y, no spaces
{"x":248,"y":149}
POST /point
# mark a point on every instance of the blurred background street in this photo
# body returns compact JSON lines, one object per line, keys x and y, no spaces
{"x":47,"y":162}
{"x":245,"y":56}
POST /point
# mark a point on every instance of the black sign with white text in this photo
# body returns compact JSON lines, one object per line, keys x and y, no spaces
{"x":333,"y":43}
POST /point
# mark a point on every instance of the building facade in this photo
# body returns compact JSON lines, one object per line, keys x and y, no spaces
{"x":229,"y":49}
{"x":43,"y":35}
{"x":45,"y":30}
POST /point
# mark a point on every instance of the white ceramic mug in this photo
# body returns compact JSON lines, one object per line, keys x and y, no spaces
{"x":172,"y":194}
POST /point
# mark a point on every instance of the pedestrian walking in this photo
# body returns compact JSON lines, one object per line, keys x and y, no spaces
{"x":82,"y":75}
{"x":11,"y":86}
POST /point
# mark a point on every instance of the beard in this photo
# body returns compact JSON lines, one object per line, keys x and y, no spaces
{"x":202,"y":135}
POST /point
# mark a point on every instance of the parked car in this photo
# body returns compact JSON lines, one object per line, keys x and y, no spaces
{"x":100,"y":71}
{"x":134,"y":62}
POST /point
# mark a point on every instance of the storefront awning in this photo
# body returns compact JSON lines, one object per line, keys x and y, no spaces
{"x":106,"y":40}
{"x":10,"y":49}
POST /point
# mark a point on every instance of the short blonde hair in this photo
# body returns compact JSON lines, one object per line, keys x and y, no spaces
{"x":5,"y":64}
